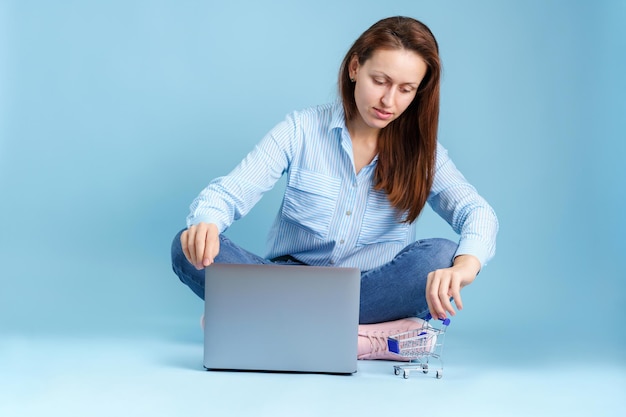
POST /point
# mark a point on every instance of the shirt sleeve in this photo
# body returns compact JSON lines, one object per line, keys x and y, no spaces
{"x":231,"y":197}
{"x":459,"y":204}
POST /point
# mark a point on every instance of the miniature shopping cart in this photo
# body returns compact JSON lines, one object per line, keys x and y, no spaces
{"x":420,"y":346}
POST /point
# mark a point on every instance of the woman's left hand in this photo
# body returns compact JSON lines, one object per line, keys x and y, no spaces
{"x":443,"y":284}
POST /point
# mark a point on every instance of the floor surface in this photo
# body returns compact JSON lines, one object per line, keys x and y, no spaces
{"x":163,"y":376}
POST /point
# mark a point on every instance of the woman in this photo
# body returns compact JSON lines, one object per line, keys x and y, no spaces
{"x":359,"y":172}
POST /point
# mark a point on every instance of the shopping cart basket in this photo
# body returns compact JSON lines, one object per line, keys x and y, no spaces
{"x":420,"y":346}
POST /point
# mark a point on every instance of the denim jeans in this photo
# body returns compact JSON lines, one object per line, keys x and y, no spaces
{"x":391,"y":291}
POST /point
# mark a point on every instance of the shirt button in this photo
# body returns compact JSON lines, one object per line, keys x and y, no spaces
{"x":348,"y":213}
{"x":331,"y":262}
{"x":342,"y":241}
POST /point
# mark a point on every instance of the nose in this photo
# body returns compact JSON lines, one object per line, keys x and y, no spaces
{"x":388,"y":96}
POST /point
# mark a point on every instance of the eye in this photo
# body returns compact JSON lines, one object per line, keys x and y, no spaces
{"x":379,"y":81}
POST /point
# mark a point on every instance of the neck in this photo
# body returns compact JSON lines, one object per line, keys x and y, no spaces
{"x":364,"y":144}
{"x":361,"y":133}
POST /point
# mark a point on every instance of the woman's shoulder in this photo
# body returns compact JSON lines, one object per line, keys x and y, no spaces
{"x":319,"y":115}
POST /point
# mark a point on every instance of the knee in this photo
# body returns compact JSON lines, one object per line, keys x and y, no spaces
{"x":444,"y":250}
{"x":445,"y":246}
{"x":436,"y":252}
{"x":178,"y":257}
{"x":177,"y":248}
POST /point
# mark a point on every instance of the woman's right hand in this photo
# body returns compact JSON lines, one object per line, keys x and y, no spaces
{"x":201,"y":244}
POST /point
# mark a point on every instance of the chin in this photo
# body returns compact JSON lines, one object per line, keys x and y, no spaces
{"x":379,"y":124}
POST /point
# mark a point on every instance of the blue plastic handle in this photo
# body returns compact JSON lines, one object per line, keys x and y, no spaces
{"x":445,"y":322}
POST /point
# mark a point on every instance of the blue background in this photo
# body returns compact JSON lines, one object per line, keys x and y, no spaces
{"x":114,"y":115}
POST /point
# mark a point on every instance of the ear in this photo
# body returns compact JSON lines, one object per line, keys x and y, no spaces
{"x":353,"y":67}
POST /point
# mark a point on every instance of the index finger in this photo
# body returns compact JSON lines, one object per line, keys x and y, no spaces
{"x":455,"y":293}
{"x":199,"y":246}
{"x":212,"y":247}
{"x":445,"y":292}
{"x":433,"y":300}
{"x":185,"y":244}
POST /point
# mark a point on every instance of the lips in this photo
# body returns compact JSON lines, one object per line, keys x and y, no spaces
{"x":381,"y":114}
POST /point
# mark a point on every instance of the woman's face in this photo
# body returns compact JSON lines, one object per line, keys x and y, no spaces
{"x":386,"y":85}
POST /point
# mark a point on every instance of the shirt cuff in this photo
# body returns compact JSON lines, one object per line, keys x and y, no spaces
{"x":475,"y":248}
{"x":193,"y":220}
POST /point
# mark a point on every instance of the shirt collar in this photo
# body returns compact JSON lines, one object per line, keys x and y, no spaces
{"x":338,"y":118}
{"x":338,"y":121}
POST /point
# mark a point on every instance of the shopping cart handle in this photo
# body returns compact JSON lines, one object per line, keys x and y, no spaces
{"x":445,"y":322}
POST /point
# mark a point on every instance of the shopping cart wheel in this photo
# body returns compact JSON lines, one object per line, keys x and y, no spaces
{"x":425,"y":368}
{"x":396,"y":370}
{"x":439,"y":374}
{"x":406,"y":374}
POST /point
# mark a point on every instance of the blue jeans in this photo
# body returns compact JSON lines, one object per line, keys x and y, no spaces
{"x":391,"y":291}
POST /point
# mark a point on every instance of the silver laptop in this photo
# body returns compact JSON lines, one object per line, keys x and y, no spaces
{"x":281,"y":318}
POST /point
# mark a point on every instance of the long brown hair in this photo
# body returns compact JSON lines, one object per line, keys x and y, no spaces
{"x":407,"y":146}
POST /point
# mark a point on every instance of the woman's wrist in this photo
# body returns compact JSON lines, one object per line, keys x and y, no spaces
{"x":468,"y":265}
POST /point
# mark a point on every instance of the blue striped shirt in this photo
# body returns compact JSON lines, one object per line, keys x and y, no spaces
{"x":330,"y":215}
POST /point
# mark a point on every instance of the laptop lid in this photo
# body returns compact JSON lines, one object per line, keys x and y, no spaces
{"x":281,"y":318}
